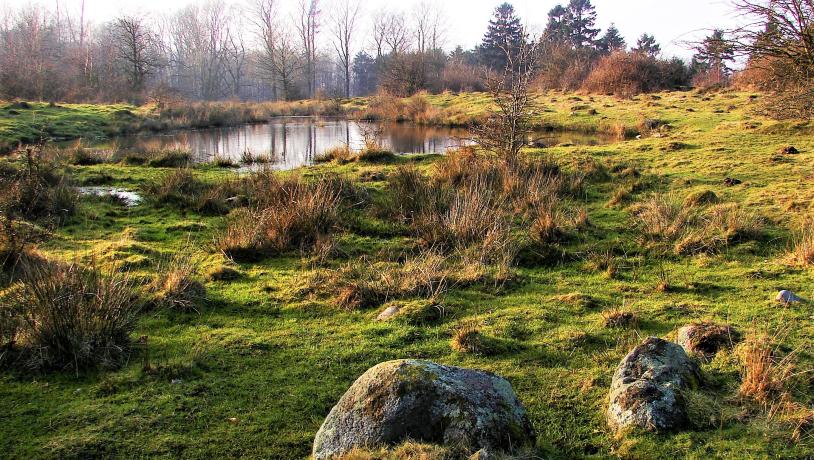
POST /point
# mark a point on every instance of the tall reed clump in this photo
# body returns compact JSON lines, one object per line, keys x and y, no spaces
{"x":74,"y":317}
{"x":284,"y":215}
{"x":801,"y":253}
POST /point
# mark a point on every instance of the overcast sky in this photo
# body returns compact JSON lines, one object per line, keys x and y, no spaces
{"x":672,"y":22}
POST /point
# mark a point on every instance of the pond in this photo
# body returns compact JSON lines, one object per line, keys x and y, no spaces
{"x":292,"y":142}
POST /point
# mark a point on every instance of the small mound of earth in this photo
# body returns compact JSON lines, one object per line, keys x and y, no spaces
{"x":706,"y":339}
{"x":429,"y":403}
{"x":646,"y":390}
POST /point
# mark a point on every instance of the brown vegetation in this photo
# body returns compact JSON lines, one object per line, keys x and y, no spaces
{"x":627,"y":74}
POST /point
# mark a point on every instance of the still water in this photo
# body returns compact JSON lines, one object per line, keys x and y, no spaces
{"x":292,"y":142}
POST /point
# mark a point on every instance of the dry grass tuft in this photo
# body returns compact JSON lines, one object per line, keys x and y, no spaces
{"x":288,"y":215}
{"x":467,"y":338}
{"x":177,"y":287}
{"x":766,"y":372}
{"x":801,"y":253}
{"x":690,"y":230}
{"x":406,"y":451}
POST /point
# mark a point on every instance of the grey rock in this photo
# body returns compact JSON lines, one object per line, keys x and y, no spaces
{"x":425,"y":402}
{"x":787,"y":297}
{"x":706,"y":339}
{"x":646,"y":390}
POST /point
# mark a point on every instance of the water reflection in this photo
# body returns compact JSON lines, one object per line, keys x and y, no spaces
{"x":295,"y":141}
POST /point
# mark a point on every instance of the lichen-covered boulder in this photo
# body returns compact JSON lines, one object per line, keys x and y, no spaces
{"x":425,"y":402}
{"x":646,"y":390}
{"x":706,"y":339}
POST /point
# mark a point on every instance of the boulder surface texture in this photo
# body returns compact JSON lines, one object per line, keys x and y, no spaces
{"x":425,"y":402}
{"x":646,"y":390}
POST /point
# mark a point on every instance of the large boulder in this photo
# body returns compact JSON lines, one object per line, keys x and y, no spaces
{"x":425,"y":402}
{"x":646,"y":390}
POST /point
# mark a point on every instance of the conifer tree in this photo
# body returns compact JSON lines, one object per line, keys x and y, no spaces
{"x":581,"y":23}
{"x":503,"y":40}
{"x":647,"y":45}
{"x":612,"y":40}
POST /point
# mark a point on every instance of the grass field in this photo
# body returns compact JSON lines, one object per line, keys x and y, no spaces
{"x":253,"y":372}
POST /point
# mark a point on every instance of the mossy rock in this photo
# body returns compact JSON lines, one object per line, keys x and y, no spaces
{"x":647,"y":388}
{"x":421,"y":401}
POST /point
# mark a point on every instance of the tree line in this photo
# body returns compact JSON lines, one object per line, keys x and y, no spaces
{"x":284,"y":50}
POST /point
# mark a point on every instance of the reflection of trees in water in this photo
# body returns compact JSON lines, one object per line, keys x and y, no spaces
{"x":293,"y":142}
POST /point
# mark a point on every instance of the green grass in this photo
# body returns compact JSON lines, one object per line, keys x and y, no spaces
{"x":261,"y":366}
{"x":30,"y":122}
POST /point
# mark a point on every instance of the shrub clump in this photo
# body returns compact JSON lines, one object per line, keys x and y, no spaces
{"x":627,"y":74}
{"x":72,"y":317}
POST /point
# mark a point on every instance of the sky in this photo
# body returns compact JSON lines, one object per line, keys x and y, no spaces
{"x":674,"y":23}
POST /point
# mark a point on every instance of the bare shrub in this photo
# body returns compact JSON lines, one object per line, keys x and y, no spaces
{"x":75,"y":317}
{"x":627,"y":74}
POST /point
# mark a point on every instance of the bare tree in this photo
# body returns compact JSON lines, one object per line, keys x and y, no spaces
{"x":506,"y":131}
{"x":778,"y":40}
{"x":135,"y":45}
{"x":343,"y":29}
{"x":235,"y":54}
{"x":279,"y":57}
{"x":395,"y":36}
{"x":430,"y":26}
{"x":379,"y":28}
{"x":308,"y":27}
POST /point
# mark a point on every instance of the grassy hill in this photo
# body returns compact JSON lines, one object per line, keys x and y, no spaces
{"x":253,"y":371}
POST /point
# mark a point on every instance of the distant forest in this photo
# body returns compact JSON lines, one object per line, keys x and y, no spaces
{"x":276,"y":50}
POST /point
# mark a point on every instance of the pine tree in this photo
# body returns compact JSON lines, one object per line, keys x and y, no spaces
{"x":581,"y":23}
{"x":504,"y":38}
{"x":647,"y":45}
{"x":557,"y":30}
{"x":713,"y":54}
{"x":612,"y":40}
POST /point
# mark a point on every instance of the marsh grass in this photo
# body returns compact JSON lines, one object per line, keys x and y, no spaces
{"x":74,"y":317}
{"x":178,"y":285}
{"x":285,"y":215}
